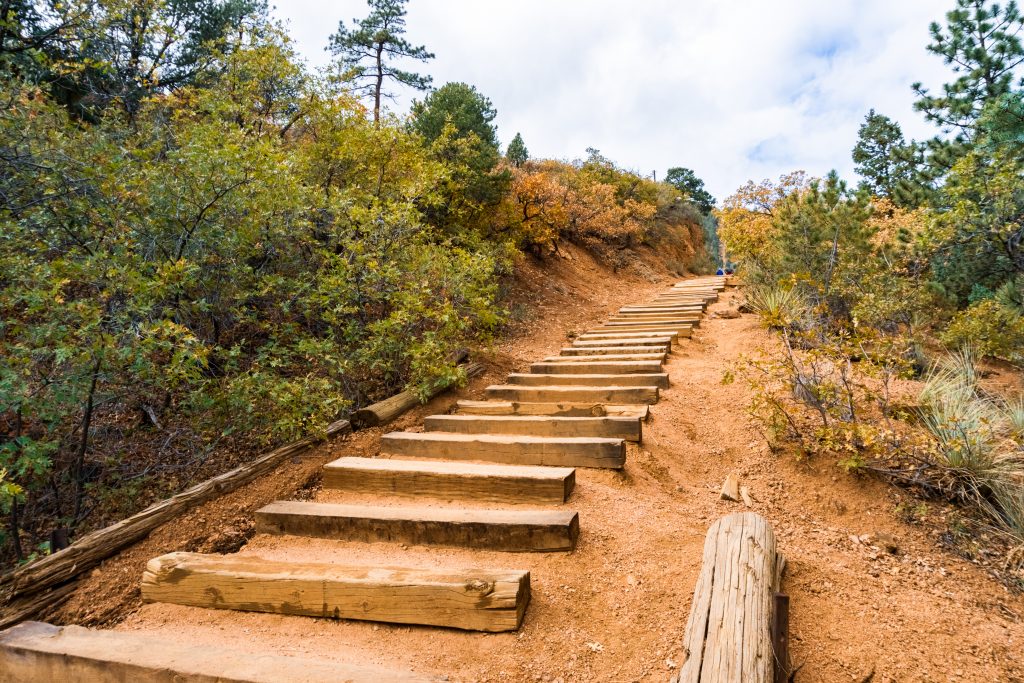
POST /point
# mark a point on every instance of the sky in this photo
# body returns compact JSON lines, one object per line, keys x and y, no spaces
{"x":736,"y":90}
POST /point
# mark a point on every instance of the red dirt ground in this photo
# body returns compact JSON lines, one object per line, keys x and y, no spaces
{"x":615,"y":609}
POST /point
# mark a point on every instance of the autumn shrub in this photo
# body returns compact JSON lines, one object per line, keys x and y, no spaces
{"x":990,"y":327}
{"x":592,"y":200}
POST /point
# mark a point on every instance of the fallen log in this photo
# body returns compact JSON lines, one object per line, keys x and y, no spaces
{"x":729,"y":632}
{"x":19,"y":588}
{"x":385,"y":411}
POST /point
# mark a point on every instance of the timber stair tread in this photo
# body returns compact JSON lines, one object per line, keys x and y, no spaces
{"x":597,"y":367}
{"x":665,"y":342}
{"x":470,"y":599}
{"x":616,"y":353}
{"x":486,"y":529}
{"x":659,"y":379}
{"x":448,"y":479}
{"x":555,"y":393}
{"x":562,"y":408}
{"x":627,"y":428}
{"x":508,"y":449}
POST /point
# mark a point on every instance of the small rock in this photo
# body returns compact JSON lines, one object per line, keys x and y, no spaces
{"x":729,"y":314}
{"x":596,"y":647}
{"x":731,"y":488}
{"x":887,"y":542}
{"x":745,"y":495}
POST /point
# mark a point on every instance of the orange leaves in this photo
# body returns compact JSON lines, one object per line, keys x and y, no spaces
{"x":549,"y":199}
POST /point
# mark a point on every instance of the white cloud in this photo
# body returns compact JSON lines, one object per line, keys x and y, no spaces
{"x":735,"y":89}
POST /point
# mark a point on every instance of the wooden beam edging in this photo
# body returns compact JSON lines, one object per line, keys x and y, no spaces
{"x":39,"y":585}
{"x":729,"y":634}
{"x":385,"y":411}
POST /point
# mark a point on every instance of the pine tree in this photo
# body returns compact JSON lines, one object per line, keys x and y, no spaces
{"x":517,"y":154}
{"x":982,"y":45}
{"x":368,"y":49}
{"x":686,"y":181}
{"x":889,"y":165}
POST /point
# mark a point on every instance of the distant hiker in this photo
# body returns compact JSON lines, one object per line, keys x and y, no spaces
{"x":719,"y":272}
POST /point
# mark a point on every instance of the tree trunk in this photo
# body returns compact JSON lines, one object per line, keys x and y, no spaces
{"x":83,"y":443}
{"x":380,"y":84}
{"x":14,"y":528}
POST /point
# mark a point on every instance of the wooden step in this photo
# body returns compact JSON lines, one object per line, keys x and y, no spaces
{"x":558,"y":394}
{"x":654,"y":317}
{"x":662,"y":309}
{"x":713,"y":287}
{"x":590,"y":354}
{"x":627,"y":334}
{"x":645,"y":328}
{"x":562,"y":451}
{"x":534,"y":425}
{"x":662,"y":342}
{"x":607,"y":368}
{"x":451,"y":480}
{"x":683,"y":331}
{"x":34,"y":651}
{"x":648,"y":325}
{"x":657,"y":379}
{"x":565,"y":409}
{"x":470,"y":599}
{"x":517,"y":531}
{"x":666,"y":322}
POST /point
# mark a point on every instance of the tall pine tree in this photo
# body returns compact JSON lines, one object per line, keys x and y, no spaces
{"x":981,"y":42}
{"x":369,"y":48}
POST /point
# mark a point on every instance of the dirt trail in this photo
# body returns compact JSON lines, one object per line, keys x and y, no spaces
{"x":616,"y":608}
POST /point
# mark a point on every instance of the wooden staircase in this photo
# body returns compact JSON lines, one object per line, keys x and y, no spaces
{"x":494,"y":475}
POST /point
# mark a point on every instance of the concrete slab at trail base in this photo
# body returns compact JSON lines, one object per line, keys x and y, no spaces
{"x":34,"y":652}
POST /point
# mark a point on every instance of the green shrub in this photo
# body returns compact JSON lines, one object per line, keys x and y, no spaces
{"x":992,"y":329}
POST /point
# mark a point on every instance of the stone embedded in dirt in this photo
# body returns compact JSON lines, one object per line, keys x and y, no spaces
{"x":887,"y":542}
{"x":729,"y":314}
{"x":731,"y":488}
{"x":745,"y":495}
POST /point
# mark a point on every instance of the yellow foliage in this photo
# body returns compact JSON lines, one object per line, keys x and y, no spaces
{"x":745,"y":221}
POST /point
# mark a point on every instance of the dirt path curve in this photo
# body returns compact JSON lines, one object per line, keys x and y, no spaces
{"x":615,"y":609}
